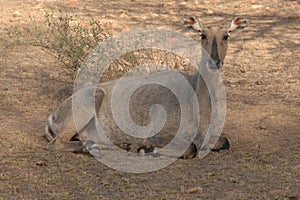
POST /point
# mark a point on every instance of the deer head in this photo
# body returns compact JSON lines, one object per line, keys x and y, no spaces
{"x":214,"y":38}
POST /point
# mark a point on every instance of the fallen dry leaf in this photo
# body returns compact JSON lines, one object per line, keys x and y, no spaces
{"x":194,"y":190}
{"x":69,"y":2}
{"x":276,"y":191}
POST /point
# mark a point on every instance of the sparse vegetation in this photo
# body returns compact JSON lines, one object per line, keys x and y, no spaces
{"x":69,"y":41}
{"x":62,"y":36}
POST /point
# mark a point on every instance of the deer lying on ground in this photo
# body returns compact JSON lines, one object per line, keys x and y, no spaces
{"x":63,"y":135}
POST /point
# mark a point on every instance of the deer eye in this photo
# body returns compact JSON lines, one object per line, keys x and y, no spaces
{"x":203,"y":36}
{"x":226,"y":37}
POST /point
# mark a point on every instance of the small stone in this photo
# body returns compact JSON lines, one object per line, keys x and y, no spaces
{"x":232,"y":180}
{"x":41,"y":163}
{"x":180,"y":67}
{"x":16,"y":14}
{"x":73,"y":23}
{"x":210,"y":174}
{"x":105,"y":183}
{"x":123,"y":15}
{"x":210,"y":12}
{"x":255,"y":6}
{"x":171,"y":12}
{"x":242,"y":70}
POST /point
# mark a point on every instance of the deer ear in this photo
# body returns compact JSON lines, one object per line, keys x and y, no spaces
{"x":192,"y":23}
{"x":237,"y":24}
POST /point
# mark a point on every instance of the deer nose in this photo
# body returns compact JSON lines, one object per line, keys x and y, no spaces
{"x":215,"y":63}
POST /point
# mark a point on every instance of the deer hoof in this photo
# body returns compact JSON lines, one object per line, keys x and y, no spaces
{"x":190,"y":153}
{"x":92,"y":148}
{"x":222,"y":144}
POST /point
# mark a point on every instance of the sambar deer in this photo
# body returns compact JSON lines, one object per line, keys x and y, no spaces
{"x":61,"y":131}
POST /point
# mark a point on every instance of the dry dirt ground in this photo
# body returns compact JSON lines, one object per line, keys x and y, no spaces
{"x":261,"y":74}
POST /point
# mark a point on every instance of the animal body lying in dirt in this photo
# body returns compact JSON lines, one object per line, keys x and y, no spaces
{"x":60,"y":129}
